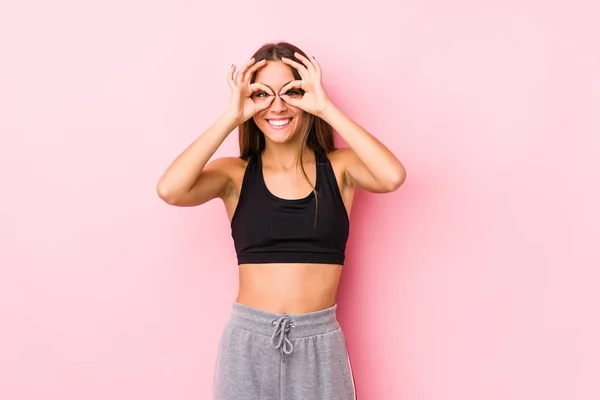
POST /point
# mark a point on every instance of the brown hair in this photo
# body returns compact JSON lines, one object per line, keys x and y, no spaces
{"x":314,"y":132}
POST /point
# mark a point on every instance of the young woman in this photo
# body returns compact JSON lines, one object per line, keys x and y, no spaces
{"x":288,"y":197}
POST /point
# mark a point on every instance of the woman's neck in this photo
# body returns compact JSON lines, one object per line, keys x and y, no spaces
{"x":284,"y":156}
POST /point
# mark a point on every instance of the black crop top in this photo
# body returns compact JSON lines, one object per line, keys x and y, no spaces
{"x":268,"y":229}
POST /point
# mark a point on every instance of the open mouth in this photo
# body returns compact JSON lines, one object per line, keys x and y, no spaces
{"x":279,"y":123}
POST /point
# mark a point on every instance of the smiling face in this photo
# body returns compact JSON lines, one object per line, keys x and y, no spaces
{"x":280,"y":121}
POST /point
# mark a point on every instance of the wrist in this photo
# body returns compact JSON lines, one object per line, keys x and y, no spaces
{"x":232,"y":115}
{"x":230,"y":119}
{"x":327,"y":111}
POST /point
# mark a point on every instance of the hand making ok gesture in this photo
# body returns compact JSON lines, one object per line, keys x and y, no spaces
{"x":314,"y":100}
{"x":241,"y":105}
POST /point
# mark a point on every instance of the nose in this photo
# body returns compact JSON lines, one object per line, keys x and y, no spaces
{"x":278,"y":105}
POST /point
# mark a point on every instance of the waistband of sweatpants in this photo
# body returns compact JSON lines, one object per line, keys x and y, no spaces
{"x":262,"y":322}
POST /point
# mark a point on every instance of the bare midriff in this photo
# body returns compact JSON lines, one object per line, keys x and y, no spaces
{"x":288,"y":288}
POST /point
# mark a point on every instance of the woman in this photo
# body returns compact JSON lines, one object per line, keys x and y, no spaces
{"x":288,"y":197}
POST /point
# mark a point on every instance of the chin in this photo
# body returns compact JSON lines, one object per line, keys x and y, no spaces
{"x":278,"y":138}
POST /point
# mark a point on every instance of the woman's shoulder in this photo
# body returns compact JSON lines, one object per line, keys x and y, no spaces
{"x":233,"y":168}
{"x":229,"y":164}
{"x":339,"y":157}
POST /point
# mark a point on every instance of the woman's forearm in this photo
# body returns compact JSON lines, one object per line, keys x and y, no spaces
{"x":184,"y":171}
{"x":378,"y":159}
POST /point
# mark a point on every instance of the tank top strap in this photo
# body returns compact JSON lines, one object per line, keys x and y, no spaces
{"x":254,"y":158}
{"x":322,"y":161}
{"x":325,"y":171}
{"x":250,"y":176}
{"x":254,"y":166}
{"x":319,"y":158}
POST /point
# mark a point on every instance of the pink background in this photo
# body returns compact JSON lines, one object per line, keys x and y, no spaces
{"x":477,"y":279}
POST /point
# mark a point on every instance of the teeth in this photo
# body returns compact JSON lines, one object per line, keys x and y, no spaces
{"x":280,"y":122}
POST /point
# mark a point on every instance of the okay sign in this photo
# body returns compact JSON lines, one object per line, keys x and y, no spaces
{"x":314,"y":99}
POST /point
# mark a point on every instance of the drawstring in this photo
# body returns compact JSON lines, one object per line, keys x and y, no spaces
{"x":282,"y":327}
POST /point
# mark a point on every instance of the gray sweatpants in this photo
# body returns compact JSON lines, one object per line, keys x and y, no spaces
{"x":268,"y":356}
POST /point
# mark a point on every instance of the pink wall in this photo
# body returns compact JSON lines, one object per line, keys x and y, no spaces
{"x":476,"y":280}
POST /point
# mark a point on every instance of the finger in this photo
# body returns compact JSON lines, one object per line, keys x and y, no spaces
{"x":317,"y":65}
{"x":248,"y":74}
{"x":299,"y":67}
{"x":292,"y":85}
{"x":230,"y":80}
{"x":309,"y":65}
{"x":240,"y":74}
{"x":254,"y":87}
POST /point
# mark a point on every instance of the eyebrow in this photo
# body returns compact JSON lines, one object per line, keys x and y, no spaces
{"x":279,"y":89}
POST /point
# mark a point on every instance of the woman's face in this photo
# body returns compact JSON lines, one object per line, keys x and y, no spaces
{"x":280,"y":121}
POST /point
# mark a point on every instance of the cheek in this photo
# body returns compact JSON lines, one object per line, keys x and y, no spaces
{"x":299,"y":117}
{"x":258,"y":119}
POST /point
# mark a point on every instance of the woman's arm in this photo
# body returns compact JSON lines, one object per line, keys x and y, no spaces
{"x":368,"y":163}
{"x":189,"y":181}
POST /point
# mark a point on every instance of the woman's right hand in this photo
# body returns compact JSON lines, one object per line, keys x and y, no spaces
{"x":242,"y":106}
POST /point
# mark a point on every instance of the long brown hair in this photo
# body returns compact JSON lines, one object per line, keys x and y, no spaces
{"x":313,"y":132}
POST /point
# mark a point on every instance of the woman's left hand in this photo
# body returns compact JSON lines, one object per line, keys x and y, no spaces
{"x":315,"y":99}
